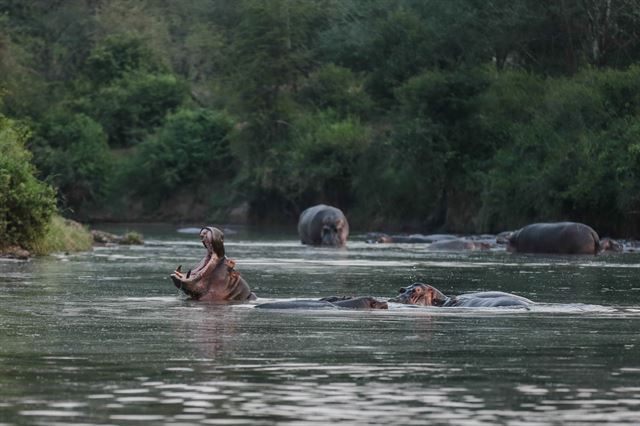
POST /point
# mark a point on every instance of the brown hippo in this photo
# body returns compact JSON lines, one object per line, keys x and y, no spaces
{"x":323,"y":225}
{"x":214,"y":278}
{"x":327,"y":303}
{"x":558,"y":238}
{"x":422,"y":294}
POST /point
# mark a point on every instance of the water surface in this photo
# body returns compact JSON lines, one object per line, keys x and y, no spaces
{"x":104,"y":338}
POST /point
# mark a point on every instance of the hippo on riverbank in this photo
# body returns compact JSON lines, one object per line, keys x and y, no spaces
{"x":426,"y":295}
{"x":323,"y":225}
{"x":214,"y":278}
{"x":555,"y":238}
{"x":327,"y":303}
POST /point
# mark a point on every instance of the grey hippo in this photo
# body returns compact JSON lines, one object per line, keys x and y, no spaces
{"x":426,"y":295}
{"x":458,"y":244}
{"x":214,"y":278}
{"x":380,"y":237}
{"x":328,"y":303}
{"x":555,"y":238}
{"x":323,"y":225}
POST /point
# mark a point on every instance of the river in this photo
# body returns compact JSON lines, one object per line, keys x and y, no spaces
{"x":103,"y":337}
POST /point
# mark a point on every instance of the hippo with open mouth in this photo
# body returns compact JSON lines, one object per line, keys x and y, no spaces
{"x":214,"y":278}
{"x":426,"y":295}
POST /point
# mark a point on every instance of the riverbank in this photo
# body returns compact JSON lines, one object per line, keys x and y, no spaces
{"x":61,"y":235}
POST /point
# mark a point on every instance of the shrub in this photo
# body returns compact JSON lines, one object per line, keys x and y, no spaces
{"x":72,"y":151}
{"x":318,"y":162}
{"x":134,"y":105}
{"x":63,"y":235}
{"x":338,"y":88}
{"x":26,"y":204}
{"x":190,"y":148}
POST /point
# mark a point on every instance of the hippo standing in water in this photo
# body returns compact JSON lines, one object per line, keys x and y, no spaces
{"x":214,"y":278}
{"x":426,"y":295}
{"x":323,"y":225}
{"x":555,"y":238}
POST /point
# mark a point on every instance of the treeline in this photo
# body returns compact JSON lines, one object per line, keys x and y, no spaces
{"x":457,"y":115}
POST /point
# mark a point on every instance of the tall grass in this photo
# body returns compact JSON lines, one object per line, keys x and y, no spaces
{"x":63,"y":235}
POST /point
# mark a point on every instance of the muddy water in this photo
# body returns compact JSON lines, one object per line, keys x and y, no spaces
{"x":104,"y":338}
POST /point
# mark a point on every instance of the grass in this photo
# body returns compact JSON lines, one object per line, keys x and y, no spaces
{"x":63,"y":235}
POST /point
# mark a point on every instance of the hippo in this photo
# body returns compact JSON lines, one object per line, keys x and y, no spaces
{"x":555,"y":238}
{"x":323,"y":225}
{"x":423,"y":294}
{"x":609,"y":244}
{"x":458,"y":244}
{"x":379,"y":237}
{"x":328,"y":303}
{"x":214,"y":278}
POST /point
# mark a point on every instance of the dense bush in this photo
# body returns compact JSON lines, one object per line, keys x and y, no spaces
{"x":26,"y":204}
{"x":72,"y":150}
{"x":131,"y":107}
{"x":317,"y":163}
{"x":191,"y":147}
{"x":568,"y":152}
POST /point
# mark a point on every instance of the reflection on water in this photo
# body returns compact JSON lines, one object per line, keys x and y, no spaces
{"x":104,"y":338}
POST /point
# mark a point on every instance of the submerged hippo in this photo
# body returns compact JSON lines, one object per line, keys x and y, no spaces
{"x":379,"y":237}
{"x":422,"y":294}
{"x":323,"y":225}
{"x":458,"y":244}
{"x":555,"y":238}
{"x":214,"y":278}
{"x":327,"y":303}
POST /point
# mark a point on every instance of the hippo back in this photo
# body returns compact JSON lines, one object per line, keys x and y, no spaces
{"x":489,"y":299}
{"x":559,"y":238}
{"x":314,"y":218}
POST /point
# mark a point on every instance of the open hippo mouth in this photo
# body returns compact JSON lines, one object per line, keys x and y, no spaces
{"x":419,"y":294}
{"x":213,"y":241}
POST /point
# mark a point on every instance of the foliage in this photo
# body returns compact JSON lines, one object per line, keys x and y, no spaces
{"x":26,"y":204}
{"x":72,"y":150}
{"x":63,"y":235}
{"x":460,"y":115}
{"x":132,"y":238}
{"x":317,"y":163}
{"x":131,"y":107}
{"x":191,"y":147}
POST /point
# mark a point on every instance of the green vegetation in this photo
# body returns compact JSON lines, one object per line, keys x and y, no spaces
{"x":63,"y":235}
{"x":132,"y":238}
{"x":28,"y":216}
{"x":26,"y":204}
{"x":460,"y":115}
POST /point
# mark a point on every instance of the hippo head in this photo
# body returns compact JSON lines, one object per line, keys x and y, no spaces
{"x":420,"y":294}
{"x":376,"y":304}
{"x":607,"y":244}
{"x":213,"y":240}
{"x":331,"y":232}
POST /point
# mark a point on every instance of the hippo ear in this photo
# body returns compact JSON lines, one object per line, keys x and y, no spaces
{"x":402,"y":290}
